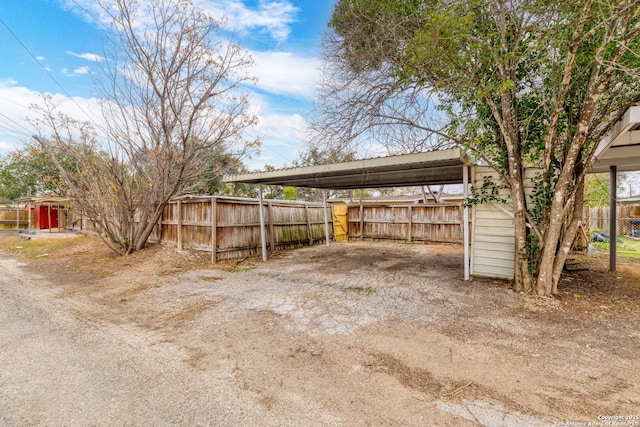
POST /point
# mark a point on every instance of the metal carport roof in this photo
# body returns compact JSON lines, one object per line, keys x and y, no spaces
{"x":434,"y":167}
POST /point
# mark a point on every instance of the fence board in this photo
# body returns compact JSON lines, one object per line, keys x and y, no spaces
{"x":433,"y":223}
{"x":230,"y":228}
{"x":10,"y":217}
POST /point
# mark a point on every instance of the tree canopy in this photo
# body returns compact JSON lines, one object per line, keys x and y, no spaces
{"x":520,"y":83}
{"x":28,"y":172}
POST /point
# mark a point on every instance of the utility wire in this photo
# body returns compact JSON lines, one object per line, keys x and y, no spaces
{"x":9,"y":119}
{"x":35,"y":59}
{"x":44,"y":68}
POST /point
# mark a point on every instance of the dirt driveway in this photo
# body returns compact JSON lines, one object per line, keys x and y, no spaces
{"x":354,"y":334}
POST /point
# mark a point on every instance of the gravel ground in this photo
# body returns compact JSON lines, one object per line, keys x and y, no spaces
{"x":353,"y":334}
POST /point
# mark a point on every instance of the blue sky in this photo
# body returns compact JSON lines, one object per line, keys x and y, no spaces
{"x":54,"y":46}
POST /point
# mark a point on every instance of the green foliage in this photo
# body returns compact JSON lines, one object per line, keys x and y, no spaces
{"x":543,"y":185}
{"x":532,"y":253}
{"x":289,"y":193}
{"x":28,"y":172}
{"x":489,"y":191}
{"x":217,"y":164}
{"x":597,"y":192}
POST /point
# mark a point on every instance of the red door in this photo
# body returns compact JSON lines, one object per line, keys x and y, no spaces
{"x":44,"y":214}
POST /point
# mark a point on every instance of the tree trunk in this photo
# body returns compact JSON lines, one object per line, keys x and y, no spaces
{"x":148,"y":228}
{"x":522,"y":277}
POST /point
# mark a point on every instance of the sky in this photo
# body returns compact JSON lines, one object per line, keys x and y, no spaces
{"x":55,"y":46}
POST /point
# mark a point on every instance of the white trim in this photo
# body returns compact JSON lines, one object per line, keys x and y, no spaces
{"x":465,"y":221}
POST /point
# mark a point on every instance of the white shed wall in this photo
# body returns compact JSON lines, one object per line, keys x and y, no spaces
{"x":492,"y":234}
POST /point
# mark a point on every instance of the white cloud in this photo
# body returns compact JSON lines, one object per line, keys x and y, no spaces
{"x":269,"y":17}
{"x":14,"y":108}
{"x":40,"y":58}
{"x":80,"y":71}
{"x":88,"y":56}
{"x":284,"y":73}
{"x":283,"y":136}
{"x":272,"y":17}
{"x":15,"y":112}
{"x":8,"y":82}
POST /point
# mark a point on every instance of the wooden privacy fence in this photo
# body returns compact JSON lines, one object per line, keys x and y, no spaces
{"x":434,"y":223}
{"x":14,"y":218}
{"x":229,"y":228}
{"x":628,"y":219}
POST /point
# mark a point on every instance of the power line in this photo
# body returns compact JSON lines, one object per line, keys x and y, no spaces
{"x":35,"y":58}
{"x":45,"y":69}
{"x":9,"y":119}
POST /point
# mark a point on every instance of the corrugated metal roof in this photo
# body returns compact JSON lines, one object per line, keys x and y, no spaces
{"x":434,"y":167}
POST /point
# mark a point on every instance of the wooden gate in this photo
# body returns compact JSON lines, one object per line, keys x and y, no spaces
{"x":340,"y":223}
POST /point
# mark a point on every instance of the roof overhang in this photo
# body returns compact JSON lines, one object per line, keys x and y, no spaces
{"x":434,"y":167}
{"x":44,"y":200}
{"x":620,"y":147}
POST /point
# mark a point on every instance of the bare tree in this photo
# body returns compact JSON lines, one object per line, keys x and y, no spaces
{"x":361,"y":102}
{"x":172,"y":96}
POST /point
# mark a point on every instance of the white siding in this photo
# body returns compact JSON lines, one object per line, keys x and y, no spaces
{"x":492,"y":234}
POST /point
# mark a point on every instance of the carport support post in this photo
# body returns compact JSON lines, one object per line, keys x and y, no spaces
{"x":326,"y":216}
{"x":465,"y":220}
{"x":263,"y":237}
{"x":613,"y":221}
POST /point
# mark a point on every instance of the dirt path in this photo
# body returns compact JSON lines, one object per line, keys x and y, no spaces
{"x":354,"y":334}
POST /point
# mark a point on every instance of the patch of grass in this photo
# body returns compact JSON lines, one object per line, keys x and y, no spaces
{"x":210,"y":278}
{"x":35,"y":248}
{"x":627,"y":248}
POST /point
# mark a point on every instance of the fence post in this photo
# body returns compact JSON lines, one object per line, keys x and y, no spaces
{"x":214,"y":230}
{"x":179,"y":224}
{"x":306,"y":210}
{"x":361,"y":220}
{"x":410,"y":223}
{"x":272,"y":237}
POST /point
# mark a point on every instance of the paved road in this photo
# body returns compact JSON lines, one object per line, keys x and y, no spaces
{"x":58,"y":367}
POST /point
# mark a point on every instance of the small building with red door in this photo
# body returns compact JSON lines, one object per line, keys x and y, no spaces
{"x":46,"y":213}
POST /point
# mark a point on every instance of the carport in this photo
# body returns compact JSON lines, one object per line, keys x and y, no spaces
{"x":619,"y":150}
{"x":449,"y":166}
